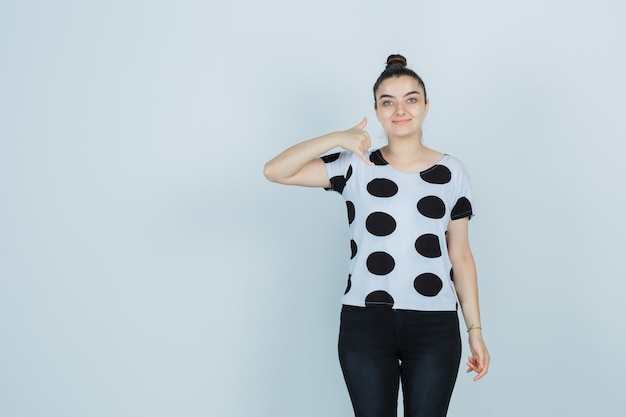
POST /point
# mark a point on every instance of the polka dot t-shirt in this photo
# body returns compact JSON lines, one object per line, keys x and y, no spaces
{"x":398,"y":223}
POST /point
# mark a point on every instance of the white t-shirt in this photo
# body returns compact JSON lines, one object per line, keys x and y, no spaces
{"x":398,"y":223}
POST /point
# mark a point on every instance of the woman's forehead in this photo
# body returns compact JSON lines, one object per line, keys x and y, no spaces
{"x":399,"y":86}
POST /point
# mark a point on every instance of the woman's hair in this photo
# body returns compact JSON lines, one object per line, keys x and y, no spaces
{"x":396,"y":67}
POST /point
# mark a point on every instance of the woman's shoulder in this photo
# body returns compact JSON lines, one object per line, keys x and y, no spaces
{"x":452,"y":161}
{"x":457,"y":169}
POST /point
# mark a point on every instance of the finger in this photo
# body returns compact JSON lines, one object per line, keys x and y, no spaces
{"x":480,"y":374}
{"x":478,"y":365}
{"x":368,"y":141}
{"x":473,"y":367}
{"x":362,"y":124}
{"x":363,"y":157}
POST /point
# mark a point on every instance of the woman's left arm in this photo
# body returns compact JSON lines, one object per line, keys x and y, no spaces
{"x":466,"y":286}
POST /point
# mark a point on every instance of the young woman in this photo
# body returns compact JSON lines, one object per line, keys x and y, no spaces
{"x":408,"y":213}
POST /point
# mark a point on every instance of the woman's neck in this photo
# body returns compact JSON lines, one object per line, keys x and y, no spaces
{"x":405,"y":149}
{"x":410,"y":155}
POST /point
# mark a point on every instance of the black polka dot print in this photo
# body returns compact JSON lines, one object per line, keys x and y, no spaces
{"x":428,"y":245}
{"x":330,"y":158}
{"x":380,"y":263}
{"x":351,"y":212}
{"x":338,"y":183}
{"x":376,"y":158}
{"x":349,"y":173}
{"x":428,"y":284}
{"x":379,"y":299}
{"x":462,"y":208}
{"x":423,"y":204}
{"x":380,"y":224}
{"x":432,"y":207}
{"x":382,"y":187}
{"x":438,"y":174}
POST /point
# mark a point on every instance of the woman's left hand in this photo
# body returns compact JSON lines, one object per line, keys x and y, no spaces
{"x":479,"y":361}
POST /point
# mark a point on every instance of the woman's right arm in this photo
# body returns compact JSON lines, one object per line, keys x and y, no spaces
{"x":301,"y":165}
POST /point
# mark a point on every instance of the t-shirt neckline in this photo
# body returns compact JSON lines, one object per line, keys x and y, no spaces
{"x":380,"y":155}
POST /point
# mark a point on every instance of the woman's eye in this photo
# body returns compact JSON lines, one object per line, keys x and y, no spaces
{"x":412,"y":100}
{"x":387,"y":103}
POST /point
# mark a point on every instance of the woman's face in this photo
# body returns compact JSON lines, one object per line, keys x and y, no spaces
{"x":401,"y":106}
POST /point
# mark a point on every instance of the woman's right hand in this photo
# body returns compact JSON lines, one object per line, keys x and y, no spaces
{"x":357,"y":140}
{"x":301,"y":165}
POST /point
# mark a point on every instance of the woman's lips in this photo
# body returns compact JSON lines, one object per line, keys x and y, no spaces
{"x":401,"y":122}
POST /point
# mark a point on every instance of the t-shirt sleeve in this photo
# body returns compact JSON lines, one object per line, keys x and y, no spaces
{"x":463,"y":194}
{"x":339,"y":170}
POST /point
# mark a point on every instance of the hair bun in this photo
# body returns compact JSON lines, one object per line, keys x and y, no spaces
{"x":396,"y":61}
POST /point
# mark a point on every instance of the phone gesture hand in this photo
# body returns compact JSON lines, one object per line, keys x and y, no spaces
{"x":357,"y":140}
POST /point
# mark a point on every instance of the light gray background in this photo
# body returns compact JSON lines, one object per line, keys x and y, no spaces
{"x":148,"y":269}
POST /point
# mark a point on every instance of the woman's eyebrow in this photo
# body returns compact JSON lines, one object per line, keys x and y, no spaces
{"x":390,"y":96}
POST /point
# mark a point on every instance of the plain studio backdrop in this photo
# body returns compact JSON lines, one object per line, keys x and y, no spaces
{"x":148,"y":269}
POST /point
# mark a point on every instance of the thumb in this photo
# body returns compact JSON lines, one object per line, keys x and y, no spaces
{"x":362,"y":124}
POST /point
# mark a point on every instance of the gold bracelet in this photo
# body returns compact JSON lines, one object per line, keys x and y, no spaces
{"x":472,"y":327}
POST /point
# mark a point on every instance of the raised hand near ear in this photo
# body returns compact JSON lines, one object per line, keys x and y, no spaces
{"x":357,"y":140}
{"x":301,"y":165}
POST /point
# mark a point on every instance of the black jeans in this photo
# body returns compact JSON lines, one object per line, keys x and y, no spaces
{"x":379,"y":347}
